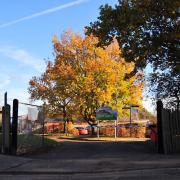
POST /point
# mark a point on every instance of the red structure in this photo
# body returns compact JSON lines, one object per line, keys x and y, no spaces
{"x":153,"y":134}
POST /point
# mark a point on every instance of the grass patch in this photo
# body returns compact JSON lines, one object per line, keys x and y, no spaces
{"x":31,"y":142}
{"x":34,"y":140}
{"x":75,"y":137}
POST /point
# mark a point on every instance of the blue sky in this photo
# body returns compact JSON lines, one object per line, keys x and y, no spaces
{"x":26,"y":30}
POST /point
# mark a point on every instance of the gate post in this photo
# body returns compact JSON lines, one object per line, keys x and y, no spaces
{"x":159,"y":127}
{"x":14,"y":126}
{"x":6,"y":129}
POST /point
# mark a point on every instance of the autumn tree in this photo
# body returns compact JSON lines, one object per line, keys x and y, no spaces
{"x":56,"y":85}
{"x":84,"y":76}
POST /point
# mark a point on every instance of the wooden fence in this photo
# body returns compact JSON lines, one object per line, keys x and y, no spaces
{"x":168,"y":130}
{"x":171,"y":131}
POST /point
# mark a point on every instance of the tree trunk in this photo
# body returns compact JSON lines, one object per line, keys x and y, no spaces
{"x":64,"y":119}
{"x":92,"y":130}
{"x":90,"y":122}
{"x":64,"y":130}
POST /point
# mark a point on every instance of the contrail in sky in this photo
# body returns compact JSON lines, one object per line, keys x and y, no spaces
{"x":42,"y":13}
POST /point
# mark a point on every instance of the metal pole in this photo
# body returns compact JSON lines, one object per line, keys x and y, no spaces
{"x":43,"y":132}
{"x":30,"y":104}
{"x":43,"y":111}
{"x":130,"y":121}
{"x":130,"y":116}
{"x":115,"y":128}
{"x":98,"y":130}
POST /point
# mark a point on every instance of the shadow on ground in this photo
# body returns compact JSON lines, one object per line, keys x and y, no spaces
{"x":68,"y":149}
{"x":75,"y":159}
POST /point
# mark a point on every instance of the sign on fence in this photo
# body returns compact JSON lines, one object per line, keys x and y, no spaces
{"x":106,"y":113}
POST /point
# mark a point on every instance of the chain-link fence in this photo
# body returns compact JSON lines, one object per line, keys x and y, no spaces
{"x":30,"y":128}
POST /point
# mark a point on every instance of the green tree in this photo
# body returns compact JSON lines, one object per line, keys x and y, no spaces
{"x":147,"y":31}
{"x":167,"y":87}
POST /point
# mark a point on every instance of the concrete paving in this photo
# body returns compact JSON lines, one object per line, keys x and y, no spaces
{"x":92,"y":160}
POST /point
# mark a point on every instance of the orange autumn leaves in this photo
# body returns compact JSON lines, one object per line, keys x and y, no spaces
{"x":84,"y":76}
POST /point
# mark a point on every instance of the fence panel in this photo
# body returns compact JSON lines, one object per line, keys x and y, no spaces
{"x":30,"y":129}
{"x":177,"y":131}
{"x":170,"y":131}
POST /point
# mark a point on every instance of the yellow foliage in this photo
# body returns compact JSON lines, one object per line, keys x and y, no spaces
{"x":87,"y":75}
{"x":70,"y":126}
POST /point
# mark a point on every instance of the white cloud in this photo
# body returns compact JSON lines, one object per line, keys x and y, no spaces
{"x":42,"y":13}
{"x":22,"y":56}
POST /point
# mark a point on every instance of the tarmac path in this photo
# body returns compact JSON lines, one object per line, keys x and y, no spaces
{"x":92,"y":160}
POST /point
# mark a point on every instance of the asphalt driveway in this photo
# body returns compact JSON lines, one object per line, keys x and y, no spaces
{"x":92,"y":160}
{"x":76,"y":149}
